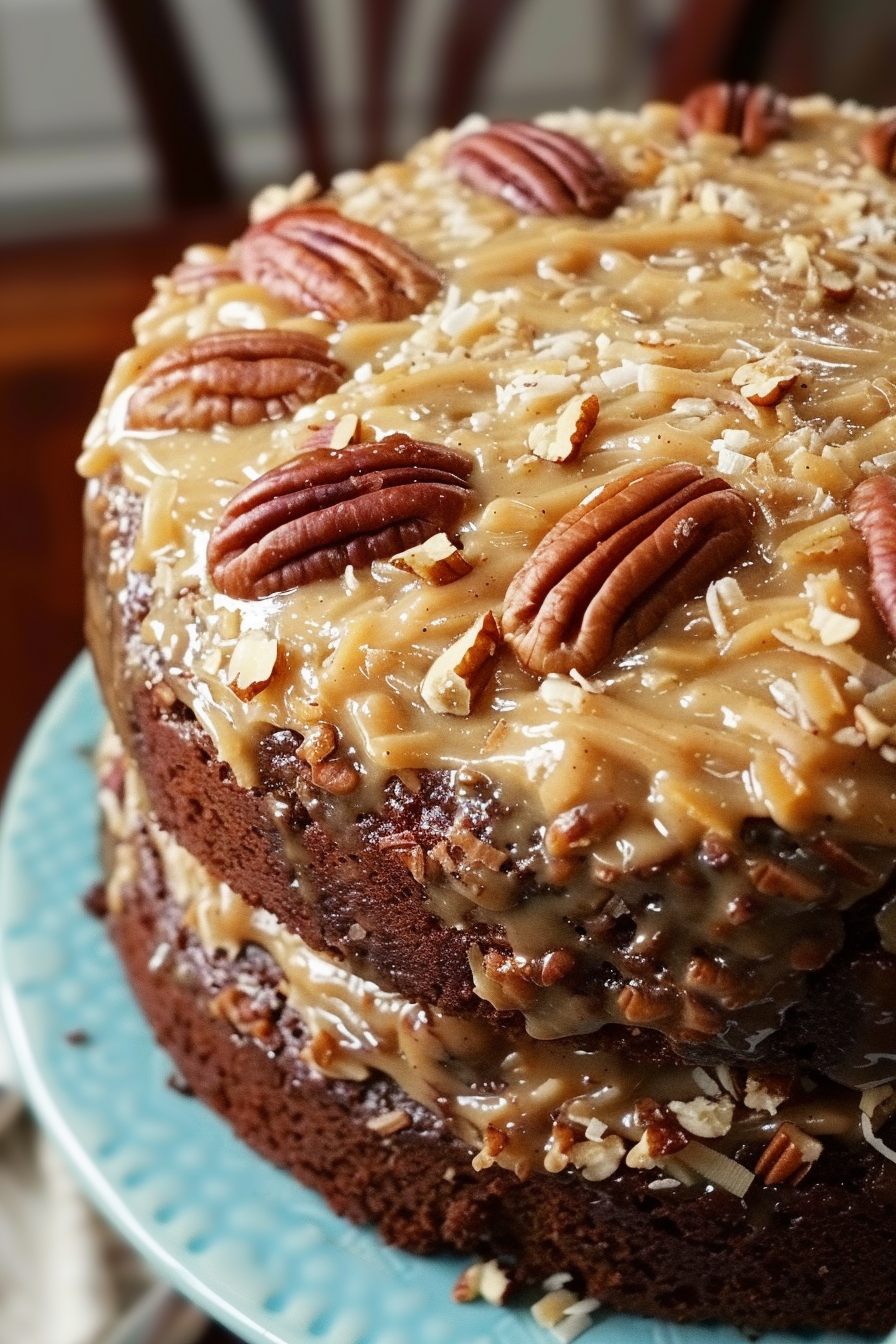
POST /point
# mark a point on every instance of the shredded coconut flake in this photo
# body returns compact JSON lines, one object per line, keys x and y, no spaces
{"x":877,"y":1144}
{"x":623,"y":376}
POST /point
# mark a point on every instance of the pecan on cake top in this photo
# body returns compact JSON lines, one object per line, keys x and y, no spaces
{"x":727,"y":310}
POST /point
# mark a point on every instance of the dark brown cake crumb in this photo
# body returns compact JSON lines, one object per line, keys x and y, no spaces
{"x":818,"y":1254}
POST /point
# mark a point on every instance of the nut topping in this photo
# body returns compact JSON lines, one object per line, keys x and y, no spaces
{"x":872,"y":512}
{"x":788,"y":1157}
{"x":662,"y":1136}
{"x":614,"y":567}
{"x":878,"y":145}
{"x":237,"y":378}
{"x":252,"y":664}
{"x":773,"y":878}
{"x":573,"y":426}
{"x":333,"y":774}
{"x":460,"y":673}
{"x":755,"y":113}
{"x":319,"y":261}
{"x":325,"y":510}
{"x":538,"y":171}
{"x":437,"y":560}
{"x":581,"y":827}
{"x":765,"y":381}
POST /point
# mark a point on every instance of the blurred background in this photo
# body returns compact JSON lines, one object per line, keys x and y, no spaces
{"x":129,"y":128}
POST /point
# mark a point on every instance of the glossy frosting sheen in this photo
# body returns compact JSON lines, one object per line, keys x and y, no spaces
{"x":472,"y":1074}
{"x":743,"y":704}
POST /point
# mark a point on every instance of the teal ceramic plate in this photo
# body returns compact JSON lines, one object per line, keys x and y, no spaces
{"x":244,"y":1241}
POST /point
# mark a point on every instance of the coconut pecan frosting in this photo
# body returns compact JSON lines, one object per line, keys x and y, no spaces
{"x":555,"y":458}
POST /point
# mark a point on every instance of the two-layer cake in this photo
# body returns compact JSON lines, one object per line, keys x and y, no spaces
{"x":492,"y":582}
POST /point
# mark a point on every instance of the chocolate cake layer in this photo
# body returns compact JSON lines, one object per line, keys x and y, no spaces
{"x":289,"y":847}
{"x":819,"y":1254}
{"x":493,"y":594}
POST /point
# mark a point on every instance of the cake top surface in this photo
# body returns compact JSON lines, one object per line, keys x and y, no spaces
{"x":731,"y":314}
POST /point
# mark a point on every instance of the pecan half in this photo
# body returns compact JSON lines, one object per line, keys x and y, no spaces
{"x":198,"y":277}
{"x":614,"y":567}
{"x":325,"y":510}
{"x":318,"y":260}
{"x":872,"y":512}
{"x":878,"y":145}
{"x":233,"y":377}
{"x":538,"y":171}
{"x":755,"y":113}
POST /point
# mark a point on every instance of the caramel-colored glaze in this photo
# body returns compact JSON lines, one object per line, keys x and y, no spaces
{"x":472,"y":1074}
{"x":770,"y":696}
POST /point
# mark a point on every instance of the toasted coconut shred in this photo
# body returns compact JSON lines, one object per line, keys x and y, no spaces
{"x":715,"y":772}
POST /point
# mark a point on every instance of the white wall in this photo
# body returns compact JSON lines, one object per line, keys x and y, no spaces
{"x":71,"y":151}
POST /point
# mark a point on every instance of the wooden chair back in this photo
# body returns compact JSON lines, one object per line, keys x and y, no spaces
{"x":180,"y":129}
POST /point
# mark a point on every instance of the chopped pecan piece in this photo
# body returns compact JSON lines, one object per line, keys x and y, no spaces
{"x":333,"y":774}
{"x":475,"y":850}
{"x":878,"y":145}
{"x":503,"y":969}
{"x":840,"y":861}
{"x":406,"y":849}
{"x":233,"y":377}
{"x":698,"y":1019}
{"x":777,"y":879}
{"x":644,"y":1005}
{"x":570,"y":432}
{"x":706,"y":976}
{"x":338,"y":776}
{"x":253,"y":664}
{"x":662,"y":1136}
{"x":765,"y":381}
{"x":612,"y":569}
{"x":552,"y":967}
{"x":325,"y":510}
{"x":581,"y":827}
{"x":755,"y":113}
{"x":494,"y":1141}
{"x":466,"y":1289}
{"x":788,"y":1157}
{"x":436,"y":560}
{"x":235,"y":1006}
{"x":766,"y":1091}
{"x":872,"y":512}
{"x":459,"y":675}
{"x":537,"y":171}
{"x":318,"y":743}
{"x":319,"y":261}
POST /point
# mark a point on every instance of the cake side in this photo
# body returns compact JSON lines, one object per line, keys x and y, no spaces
{"x":816,"y":1255}
{"x":345,"y":886}
{"x":490,"y":580}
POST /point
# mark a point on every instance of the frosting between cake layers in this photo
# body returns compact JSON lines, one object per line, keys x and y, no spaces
{"x":539,"y":1097}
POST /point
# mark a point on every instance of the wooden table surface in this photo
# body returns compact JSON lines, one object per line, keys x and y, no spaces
{"x":65,"y":313}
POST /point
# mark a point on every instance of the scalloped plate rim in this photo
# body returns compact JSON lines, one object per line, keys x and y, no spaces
{"x":75,"y":691}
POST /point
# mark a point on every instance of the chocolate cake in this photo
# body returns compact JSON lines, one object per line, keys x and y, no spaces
{"x":491,"y":582}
